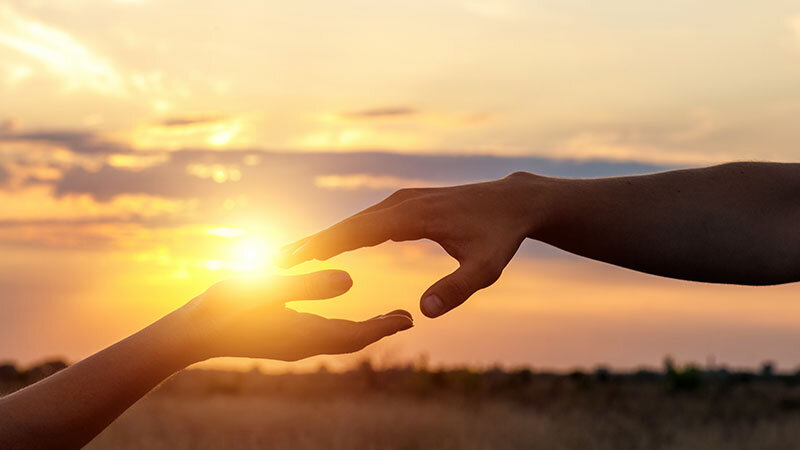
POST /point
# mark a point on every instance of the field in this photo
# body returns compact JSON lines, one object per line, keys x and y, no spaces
{"x":399,"y":423}
{"x":413,"y":408}
{"x":462,"y":409}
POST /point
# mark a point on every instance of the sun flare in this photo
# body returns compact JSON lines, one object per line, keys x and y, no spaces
{"x":242,"y":250}
{"x":253,"y":253}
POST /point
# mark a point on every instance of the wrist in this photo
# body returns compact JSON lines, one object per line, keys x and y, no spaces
{"x":177,"y":337}
{"x":539,"y":201}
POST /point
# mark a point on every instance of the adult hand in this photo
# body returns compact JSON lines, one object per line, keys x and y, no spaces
{"x":248,"y":318}
{"x":481,"y":225}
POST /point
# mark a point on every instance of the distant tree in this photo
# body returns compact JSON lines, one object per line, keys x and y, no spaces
{"x":669,"y":365}
{"x":690,"y":378}
{"x":602,"y":373}
{"x":9,"y":373}
{"x":767,"y":369}
{"x":525,"y":375}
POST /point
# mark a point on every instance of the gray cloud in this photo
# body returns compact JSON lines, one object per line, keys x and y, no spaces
{"x":171,"y":178}
{"x":189,"y":120}
{"x":380,"y":113}
{"x":288,"y":170}
{"x":273,"y":181}
{"x":83,"y":142}
{"x":281,"y":178}
{"x":285,"y":182}
{"x":275,"y":184}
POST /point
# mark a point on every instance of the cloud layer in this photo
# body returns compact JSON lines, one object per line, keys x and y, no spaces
{"x":82,"y":177}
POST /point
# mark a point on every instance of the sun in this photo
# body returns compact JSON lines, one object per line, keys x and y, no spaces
{"x":252,"y":253}
{"x":244,"y":251}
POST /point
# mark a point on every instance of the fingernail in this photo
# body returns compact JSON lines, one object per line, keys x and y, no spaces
{"x":432,"y":305}
{"x":404,"y":324}
{"x":386,"y":316}
{"x":340,"y":279}
{"x":284,"y":255}
{"x":300,"y":248}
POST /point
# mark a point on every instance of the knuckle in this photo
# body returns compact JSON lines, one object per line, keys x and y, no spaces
{"x":458,"y":286}
{"x":492,"y":275}
{"x":491,"y":270}
{"x":307,"y":288}
{"x":403,"y":194}
{"x":409,"y":218}
{"x":432,"y":226}
{"x":429,"y":217}
{"x":396,"y":194}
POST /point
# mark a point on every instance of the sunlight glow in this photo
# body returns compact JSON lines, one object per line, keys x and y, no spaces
{"x":241,"y":251}
{"x":223,"y":134}
{"x":226,"y":232}
{"x":369,"y":181}
{"x":218,"y":172}
{"x":253,"y":253}
{"x":215,"y":264}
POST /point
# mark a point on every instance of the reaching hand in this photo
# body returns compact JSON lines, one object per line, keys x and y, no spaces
{"x":248,"y":318}
{"x":232,"y":318}
{"x":480,"y":225}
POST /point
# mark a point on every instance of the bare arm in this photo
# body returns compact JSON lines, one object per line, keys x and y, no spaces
{"x":233,"y":318}
{"x":734,"y":223}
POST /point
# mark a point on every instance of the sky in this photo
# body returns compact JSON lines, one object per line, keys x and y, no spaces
{"x":148,"y":149}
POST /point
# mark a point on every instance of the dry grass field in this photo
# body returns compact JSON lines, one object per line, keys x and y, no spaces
{"x":376,"y":422}
{"x":417,"y":408}
{"x":461,"y":409}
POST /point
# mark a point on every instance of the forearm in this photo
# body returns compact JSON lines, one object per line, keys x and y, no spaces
{"x":735,"y":223}
{"x":71,"y":407}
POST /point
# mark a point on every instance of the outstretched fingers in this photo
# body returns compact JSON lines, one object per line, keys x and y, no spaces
{"x":281,"y":289}
{"x":344,"y":336}
{"x":396,"y":223}
{"x":314,"y":286}
{"x":396,"y":198}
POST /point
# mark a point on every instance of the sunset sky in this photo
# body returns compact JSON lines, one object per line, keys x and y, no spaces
{"x":148,"y":149}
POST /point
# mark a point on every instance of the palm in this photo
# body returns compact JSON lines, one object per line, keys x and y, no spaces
{"x":247,"y":318}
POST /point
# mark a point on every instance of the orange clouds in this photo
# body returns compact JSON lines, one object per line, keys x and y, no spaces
{"x":367,"y":181}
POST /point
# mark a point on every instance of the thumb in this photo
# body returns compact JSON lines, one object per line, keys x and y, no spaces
{"x":456,"y":288}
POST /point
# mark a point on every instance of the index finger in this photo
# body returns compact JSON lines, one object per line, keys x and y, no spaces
{"x":398,"y":223}
{"x":277,"y":290}
{"x":397,"y":197}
